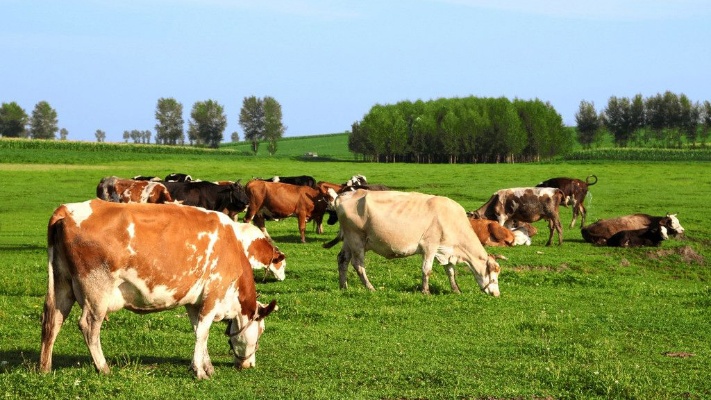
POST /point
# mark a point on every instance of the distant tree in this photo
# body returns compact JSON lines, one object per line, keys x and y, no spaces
{"x":100,"y":135}
{"x":637,"y":115}
{"x":169,"y":128}
{"x":208,"y":123}
{"x":617,"y":119}
{"x":13,"y":120}
{"x":43,"y":123}
{"x":252,"y":120}
{"x":126,"y":136}
{"x":136,"y":135}
{"x":63,"y":133}
{"x":146,"y":138}
{"x":690,"y":115}
{"x":234,"y":137}
{"x":705,"y":122}
{"x":273,"y":127}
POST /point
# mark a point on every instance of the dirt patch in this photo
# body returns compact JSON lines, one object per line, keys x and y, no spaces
{"x":687,"y":254}
{"x":679,"y":354}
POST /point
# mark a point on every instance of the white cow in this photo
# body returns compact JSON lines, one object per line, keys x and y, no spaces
{"x":397,"y":224}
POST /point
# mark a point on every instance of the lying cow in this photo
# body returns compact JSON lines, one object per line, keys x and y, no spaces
{"x":229,"y":198}
{"x":575,"y":191}
{"x":490,"y":233}
{"x":652,"y":236}
{"x":281,"y":200}
{"x":120,"y":190}
{"x":397,"y":224}
{"x":157,"y":258}
{"x":602,"y":230}
{"x":527,"y":204}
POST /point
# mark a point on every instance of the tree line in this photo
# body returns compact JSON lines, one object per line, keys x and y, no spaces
{"x":663,"y":120}
{"x":260,"y":119}
{"x":461,"y":130}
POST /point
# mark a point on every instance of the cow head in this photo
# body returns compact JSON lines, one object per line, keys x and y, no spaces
{"x":238,"y":196}
{"x":671,"y":222}
{"x":277,"y":265}
{"x":244,"y":335}
{"x":490,"y":282}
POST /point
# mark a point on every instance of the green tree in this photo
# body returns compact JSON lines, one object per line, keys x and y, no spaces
{"x":705,"y":122}
{"x":13,"y":120}
{"x":169,"y":128}
{"x":690,"y":114}
{"x":234,"y":137}
{"x":252,"y":120}
{"x":63,"y":133}
{"x":588,"y":123}
{"x":208,"y":123}
{"x":273,"y":127}
{"x":126,"y":136}
{"x":100,"y":135}
{"x":617,"y":119}
{"x":43,"y":123}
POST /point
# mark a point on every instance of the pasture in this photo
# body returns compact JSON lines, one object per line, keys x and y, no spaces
{"x":574,"y":321}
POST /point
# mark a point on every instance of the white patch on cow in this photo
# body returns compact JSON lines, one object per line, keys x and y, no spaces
{"x":521,"y":238}
{"x":80,"y":211}
{"x":146,"y":193}
{"x":676,"y":226}
{"x":208,"y":262}
{"x":445,"y":255}
{"x":663,"y":231}
{"x":131,"y":235}
{"x":132,"y":291}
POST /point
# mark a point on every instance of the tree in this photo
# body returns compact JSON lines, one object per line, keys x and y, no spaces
{"x":234,"y":137}
{"x":252,"y":120}
{"x":617,"y":119}
{"x":169,"y":129}
{"x":13,"y":120}
{"x":100,"y":135}
{"x":273,"y":127}
{"x":63,"y":133}
{"x":705,"y":122}
{"x":43,"y":123}
{"x":126,"y":136}
{"x":689,"y":121}
{"x":208,"y":123}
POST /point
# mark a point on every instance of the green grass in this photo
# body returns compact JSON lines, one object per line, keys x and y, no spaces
{"x":574,"y":321}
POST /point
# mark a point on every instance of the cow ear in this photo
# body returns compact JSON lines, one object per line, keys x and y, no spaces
{"x":279,"y":257}
{"x":262,"y":312}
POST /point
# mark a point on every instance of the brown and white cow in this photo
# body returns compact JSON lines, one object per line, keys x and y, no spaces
{"x":282,"y":200}
{"x":120,"y":190}
{"x":156,"y":257}
{"x":575,"y":191}
{"x":261,"y":252}
{"x":526,"y":204}
{"x":398,"y":224}
{"x":490,"y":233}
{"x":601,"y":231}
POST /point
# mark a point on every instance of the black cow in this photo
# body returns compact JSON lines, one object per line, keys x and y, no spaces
{"x":652,"y":236}
{"x":230,"y":199}
{"x":302,"y":180}
{"x":177,"y":177}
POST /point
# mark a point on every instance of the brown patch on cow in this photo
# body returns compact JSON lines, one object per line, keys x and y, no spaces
{"x":687,"y":254}
{"x":678,"y":354}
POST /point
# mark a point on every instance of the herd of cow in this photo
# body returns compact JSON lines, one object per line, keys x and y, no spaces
{"x":148,"y":244}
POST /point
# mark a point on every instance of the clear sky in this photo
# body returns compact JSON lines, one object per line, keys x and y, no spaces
{"x":104,"y":64}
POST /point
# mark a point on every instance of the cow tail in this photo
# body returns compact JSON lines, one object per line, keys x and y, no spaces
{"x":587,"y":180}
{"x":50,"y":302}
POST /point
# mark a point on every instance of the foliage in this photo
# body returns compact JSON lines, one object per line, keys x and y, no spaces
{"x":63,"y":133}
{"x":273,"y":127}
{"x":207,"y":124}
{"x":251,"y":119}
{"x":12,"y":120}
{"x":169,"y":125}
{"x":99,"y":134}
{"x":43,"y":123}
{"x":588,"y":123}
{"x":574,"y":321}
{"x":460,"y":130}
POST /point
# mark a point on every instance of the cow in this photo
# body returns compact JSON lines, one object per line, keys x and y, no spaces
{"x":575,"y":191}
{"x":157,"y":257}
{"x":301,"y":180}
{"x":526,"y":204}
{"x":398,"y":224}
{"x":602,"y":230}
{"x":178,"y":177}
{"x":146,"y":178}
{"x":652,"y":236}
{"x":261,"y":252}
{"x":356,"y":182}
{"x":119,"y":190}
{"x":281,"y":200}
{"x":230,"y":199}
{"x":490,"y":233}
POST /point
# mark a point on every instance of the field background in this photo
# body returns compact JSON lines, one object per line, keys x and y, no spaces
{"x":573,"y":321}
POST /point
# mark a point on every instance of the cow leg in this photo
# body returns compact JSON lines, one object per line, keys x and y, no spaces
{"x":583,"y":214}
{"x":302,"y":227}
{"x":57,"y":305}
{"x":259,"y":223}
{"x":449,"y":269}
{"x":576,"y":211}
{"x":358,"y":262}
{"x":201,"y":363}
{"x":554,"y":224}
{"x":90,"y":326}
{"x":344,"y":257}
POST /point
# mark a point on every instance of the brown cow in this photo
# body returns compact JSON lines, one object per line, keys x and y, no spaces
{"x":281,"y":200}
{"x":575,"y":191}
{"x":601,"y":231}
{"x":157,"y":257}
{"x":490,"y":233}
{"x":119,"y":190}
{"x":527,"y":204}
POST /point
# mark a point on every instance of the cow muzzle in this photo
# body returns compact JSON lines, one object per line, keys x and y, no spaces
{"x":492,"y":288}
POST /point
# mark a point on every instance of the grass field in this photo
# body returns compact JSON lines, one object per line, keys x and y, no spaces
{"x":573,"y":321}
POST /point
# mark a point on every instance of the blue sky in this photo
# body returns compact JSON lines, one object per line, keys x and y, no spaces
{"x":104,"y":64}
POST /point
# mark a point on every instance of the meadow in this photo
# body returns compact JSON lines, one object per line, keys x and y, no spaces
{"x":573,"y":321}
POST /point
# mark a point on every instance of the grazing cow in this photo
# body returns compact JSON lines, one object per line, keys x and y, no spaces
{"x":602,"y":230}
{"x":120,"y":190}
{"x":281,"y":200}
{"x":652,"y":236}
{"x":261,"y":252}
{"x":490,"y":233}
{"x":397,"y":224}
{"x":301,"y":180}
{"x":157,"y":258}
{"x":177,"y":177}
{"x":528,"y":204}
{"x":575,"y":191}
{"x":230,"y":199}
